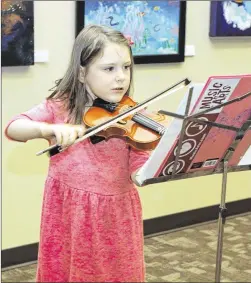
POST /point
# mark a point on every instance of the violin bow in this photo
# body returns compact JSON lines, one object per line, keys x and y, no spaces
{"x":54,"y":149}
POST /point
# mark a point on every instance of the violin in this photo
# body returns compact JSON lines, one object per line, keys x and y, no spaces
{"x":124,"y":120}
{"x":141,"y":131}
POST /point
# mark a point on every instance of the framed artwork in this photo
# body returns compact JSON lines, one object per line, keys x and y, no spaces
{"x":156,"y":28}
{"x":230,"y":18}
{"x":17,"y":33}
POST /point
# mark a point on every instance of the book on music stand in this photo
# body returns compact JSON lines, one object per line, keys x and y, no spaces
{"x":209,"y":134}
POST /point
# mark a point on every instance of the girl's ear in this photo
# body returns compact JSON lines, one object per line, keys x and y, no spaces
{"x":81,"y":76}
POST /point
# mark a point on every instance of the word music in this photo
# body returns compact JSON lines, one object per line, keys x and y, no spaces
{"x":216,"y":95}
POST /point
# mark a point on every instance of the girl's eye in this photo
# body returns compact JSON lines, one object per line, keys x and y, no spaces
{"x":109,"y":69}
{"x":127,"y":67}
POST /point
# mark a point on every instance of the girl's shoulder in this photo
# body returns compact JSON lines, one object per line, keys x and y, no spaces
{"x":58,"y":106}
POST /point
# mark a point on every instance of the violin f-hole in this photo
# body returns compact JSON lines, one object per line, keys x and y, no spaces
{"x":122,"y":122}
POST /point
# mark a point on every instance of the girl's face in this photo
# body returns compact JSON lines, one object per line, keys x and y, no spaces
{"x":108,"y":76}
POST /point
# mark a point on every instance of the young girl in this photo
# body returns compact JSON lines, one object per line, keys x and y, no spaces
{"x":91,"y":223}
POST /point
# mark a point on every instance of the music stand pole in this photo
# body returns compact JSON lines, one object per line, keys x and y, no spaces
{"x":221,"y":222}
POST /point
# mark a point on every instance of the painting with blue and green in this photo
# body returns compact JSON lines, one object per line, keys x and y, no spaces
{"x":151,"y":26}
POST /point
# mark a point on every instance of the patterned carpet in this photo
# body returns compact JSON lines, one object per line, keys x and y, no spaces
{"x":186,"y":255}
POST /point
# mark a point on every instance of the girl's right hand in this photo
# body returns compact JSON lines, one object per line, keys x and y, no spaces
{"x":64,"y":134}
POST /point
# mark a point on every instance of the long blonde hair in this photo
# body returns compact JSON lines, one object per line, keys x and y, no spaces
{"x":89,"y":44}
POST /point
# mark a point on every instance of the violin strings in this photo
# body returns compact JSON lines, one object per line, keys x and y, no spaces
{"x":148,"y":122}
{"x":151,"y":121}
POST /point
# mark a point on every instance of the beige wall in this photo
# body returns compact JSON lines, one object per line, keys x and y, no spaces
{"x":24,"y":173}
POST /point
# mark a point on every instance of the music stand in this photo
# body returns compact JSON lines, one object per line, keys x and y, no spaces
{"x":222,"y":167}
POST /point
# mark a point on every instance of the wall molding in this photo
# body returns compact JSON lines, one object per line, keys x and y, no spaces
{"x":193,"y":217}
{"x":28,"y":253}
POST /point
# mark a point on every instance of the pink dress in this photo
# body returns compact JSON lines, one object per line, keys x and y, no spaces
{"x":91,"y":222}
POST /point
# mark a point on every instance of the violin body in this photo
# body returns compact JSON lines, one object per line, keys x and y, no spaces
{"x":142,"y":130}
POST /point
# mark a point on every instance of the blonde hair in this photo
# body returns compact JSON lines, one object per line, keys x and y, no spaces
{"x":89,"y":44}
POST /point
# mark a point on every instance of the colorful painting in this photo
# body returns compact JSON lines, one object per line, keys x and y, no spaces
{"x":156,"y":28}
{"x":230,"y":18}
{"x":17,"y":33}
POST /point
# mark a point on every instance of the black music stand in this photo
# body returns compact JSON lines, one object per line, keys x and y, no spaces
{"x":222,"y":167}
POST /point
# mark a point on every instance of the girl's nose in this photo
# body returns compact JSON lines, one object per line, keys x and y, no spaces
{"x":120,"y":76}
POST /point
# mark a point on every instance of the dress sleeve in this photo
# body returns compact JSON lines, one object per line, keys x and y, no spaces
{"x":42,"y":112}
{"x":137,"y":159}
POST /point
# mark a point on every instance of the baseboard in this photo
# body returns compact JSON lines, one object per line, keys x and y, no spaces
{"x":19,"y":255}
{"x":192,"y":217}
{"x":28,"y":253}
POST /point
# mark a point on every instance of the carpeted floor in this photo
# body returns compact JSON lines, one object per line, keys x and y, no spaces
{"x":187,"y":255}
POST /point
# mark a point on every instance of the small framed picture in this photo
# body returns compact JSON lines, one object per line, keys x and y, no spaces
{"x":230,"y":18}
{"x":17,"y":33}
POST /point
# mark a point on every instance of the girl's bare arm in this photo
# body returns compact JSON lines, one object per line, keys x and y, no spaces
{"x":24,"y":130}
